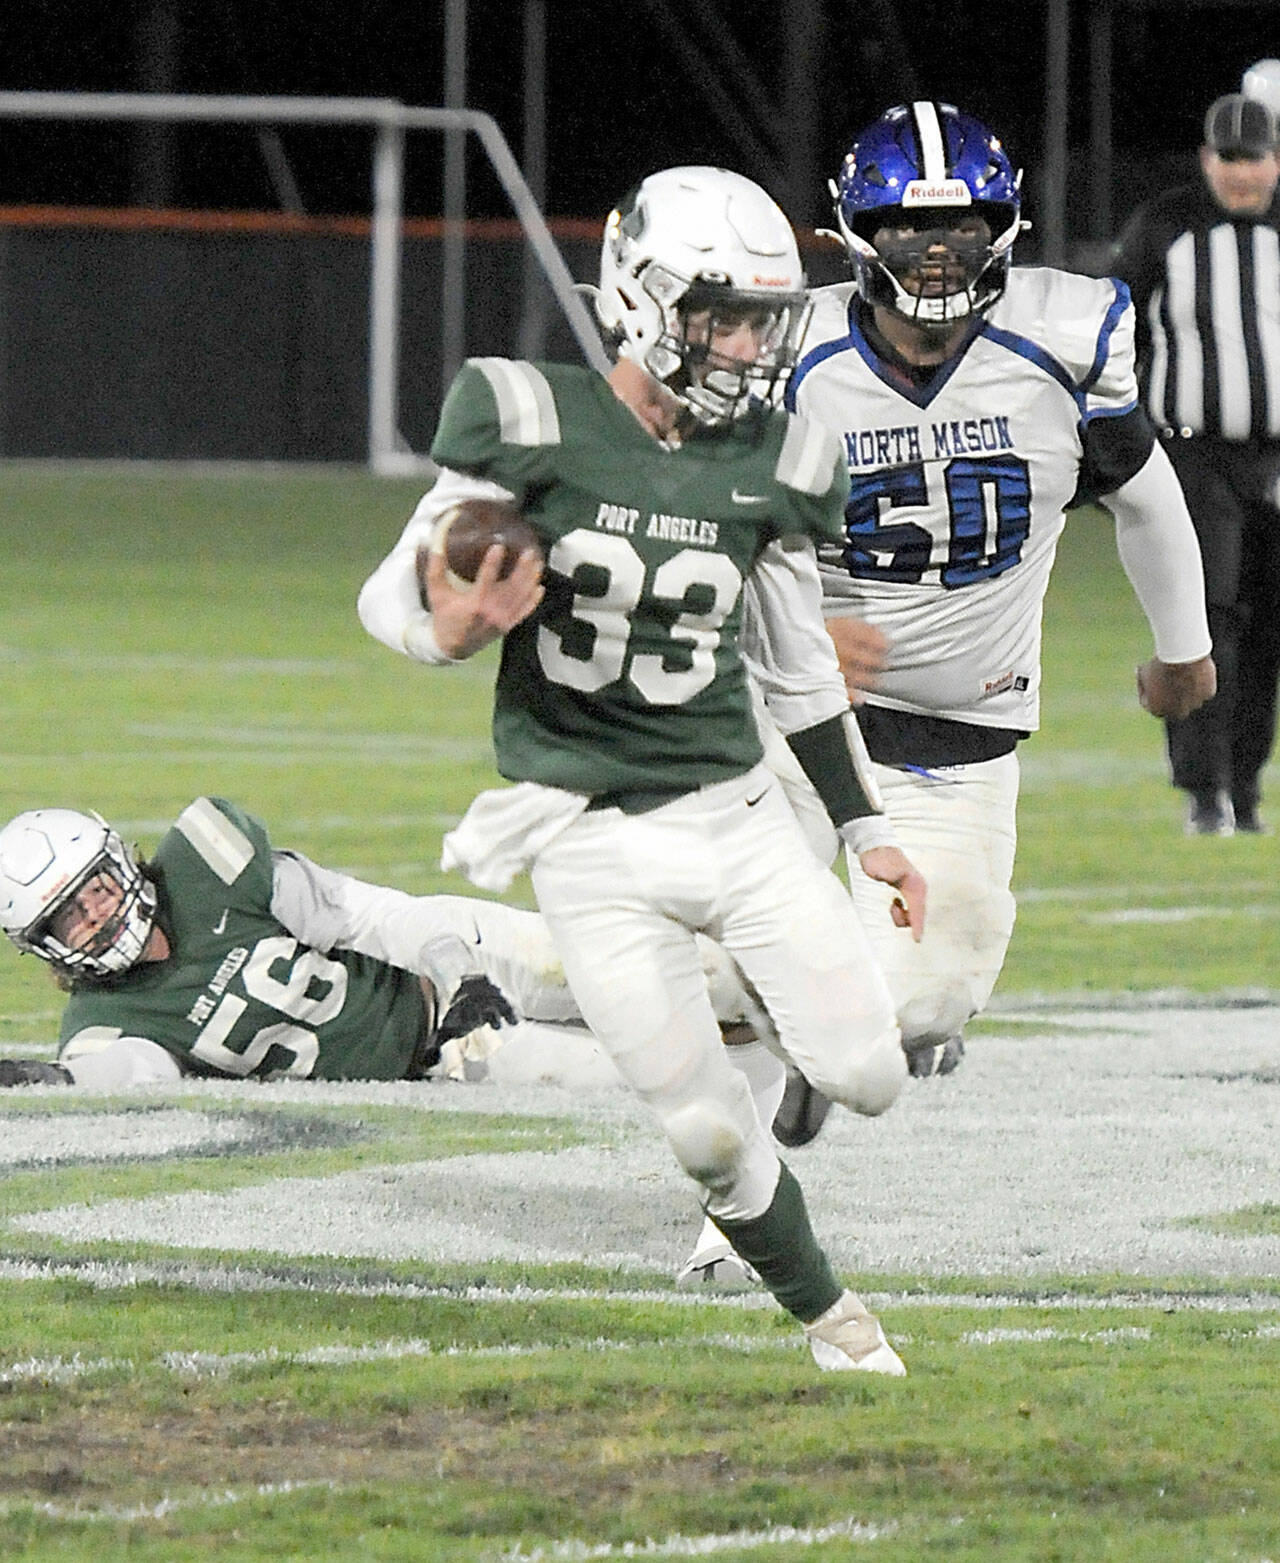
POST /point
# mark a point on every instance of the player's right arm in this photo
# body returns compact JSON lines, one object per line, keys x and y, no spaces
{"x":103,"y":1058}
{"x":453,"y":624}
{"x":1161,"y":556}
{"x":452,"y":941}
{"x":1125,"y":467}
{"x":496,"y":421}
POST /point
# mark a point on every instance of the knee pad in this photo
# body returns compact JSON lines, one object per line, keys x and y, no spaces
{"x":708,"y":1142}
{"x":735,"y":1165}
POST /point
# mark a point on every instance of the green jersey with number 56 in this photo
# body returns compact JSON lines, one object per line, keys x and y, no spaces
{"x":627,"y":679}
{"x":238,"y":994}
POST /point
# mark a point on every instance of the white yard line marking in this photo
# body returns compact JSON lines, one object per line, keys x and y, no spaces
{"x":700,"y":1546}
{"x":1087,"y":1337}
{"x":1122,"y":892}
{"x":209,"y":1365}
{"x":562,"y":1551}
{"x":110,"y":1275}
{"x":166,"y":1506}
{"x":1180,"y":914}
{"x":59,"y":1370}
{"x":170,"y":662}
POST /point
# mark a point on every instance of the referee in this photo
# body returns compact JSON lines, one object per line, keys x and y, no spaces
{"x":1203,"y":265}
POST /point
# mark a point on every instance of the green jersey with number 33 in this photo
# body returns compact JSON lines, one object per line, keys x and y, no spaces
{"x":627,"y":678}
{"x":239,"y":995}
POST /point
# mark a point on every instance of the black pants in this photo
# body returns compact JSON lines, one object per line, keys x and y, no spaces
{"x":1231,"y":490}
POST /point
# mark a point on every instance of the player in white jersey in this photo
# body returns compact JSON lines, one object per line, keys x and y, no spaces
{"x":975,"y":404}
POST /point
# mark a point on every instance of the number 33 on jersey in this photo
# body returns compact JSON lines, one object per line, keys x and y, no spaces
{"x":627,"y":678}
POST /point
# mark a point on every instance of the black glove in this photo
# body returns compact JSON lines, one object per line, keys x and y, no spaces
{"x":33,"y":1071}
{"x":478,"y":1002}
{"x":930,"y":1060}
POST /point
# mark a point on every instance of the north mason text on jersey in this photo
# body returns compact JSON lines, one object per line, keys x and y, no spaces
{"x":902,"y":443}
{"x":627,"y":521}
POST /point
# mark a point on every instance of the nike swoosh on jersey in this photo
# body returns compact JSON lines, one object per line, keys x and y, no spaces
{"x":751,"y":802}
{"x":749,"y":499}
{"x":221,"y":925}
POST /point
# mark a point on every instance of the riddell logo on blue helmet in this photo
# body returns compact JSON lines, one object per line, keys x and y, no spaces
{"x":936,"y":192}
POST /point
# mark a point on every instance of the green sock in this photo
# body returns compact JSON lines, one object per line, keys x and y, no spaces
{"x":781,"y":1247}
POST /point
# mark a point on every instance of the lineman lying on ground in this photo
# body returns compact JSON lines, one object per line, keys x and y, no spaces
{"x":222,"y":956}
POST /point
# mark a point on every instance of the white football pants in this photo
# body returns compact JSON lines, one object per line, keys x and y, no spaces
{"x":622,"y":895}
{"x":958,"y":825}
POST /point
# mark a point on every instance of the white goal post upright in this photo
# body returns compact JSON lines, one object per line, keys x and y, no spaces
{"x":390,"y":121}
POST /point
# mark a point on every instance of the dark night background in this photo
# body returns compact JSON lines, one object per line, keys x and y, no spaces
{"x":152,"y":333}
{"x":629,"y":88}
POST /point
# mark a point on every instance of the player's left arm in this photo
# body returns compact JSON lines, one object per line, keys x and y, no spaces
{"x":1125,"y":467}
{"x":791,"y":656}
{"x":431,"y":936}
{"x":1161,"y":556}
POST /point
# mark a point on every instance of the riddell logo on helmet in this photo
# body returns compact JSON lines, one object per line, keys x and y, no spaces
{"x":936,"y":192}
{"x":771,"y":282}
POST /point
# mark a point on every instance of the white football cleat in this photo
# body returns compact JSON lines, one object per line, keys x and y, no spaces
{"x":847,"y":1338}
{"x":716,"y":1269}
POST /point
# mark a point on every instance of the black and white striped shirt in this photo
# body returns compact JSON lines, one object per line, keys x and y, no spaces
{"x":1206,"y":290}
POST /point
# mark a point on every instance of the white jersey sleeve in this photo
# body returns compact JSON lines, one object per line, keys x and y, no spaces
{"x":1085,"y":325}
{"x":444,"y":938}
{"x":1161,"y":556}
{"x":783,"y":642}
{"x":390,"y":602}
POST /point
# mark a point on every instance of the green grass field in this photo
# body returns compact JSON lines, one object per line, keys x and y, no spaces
{"x":167,"y":634}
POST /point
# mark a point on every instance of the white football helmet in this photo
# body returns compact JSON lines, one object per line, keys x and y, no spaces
{"x":708,"y":245}
{"x":46,"y":856}
{"x":1262,"y":82}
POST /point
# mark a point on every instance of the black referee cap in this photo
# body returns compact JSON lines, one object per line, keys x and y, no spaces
{"x":1239,"y":124}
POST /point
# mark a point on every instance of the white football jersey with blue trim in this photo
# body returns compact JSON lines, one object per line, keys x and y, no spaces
{"x":958,"y":485}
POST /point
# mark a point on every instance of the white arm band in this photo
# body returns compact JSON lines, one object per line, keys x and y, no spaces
{"x":870,"y":830}
{"x":1161,"y":557}
{"x":390,"y":601}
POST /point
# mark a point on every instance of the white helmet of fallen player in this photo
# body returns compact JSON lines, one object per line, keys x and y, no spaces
{"x":701,"y":284}
{"x":51,"y":857}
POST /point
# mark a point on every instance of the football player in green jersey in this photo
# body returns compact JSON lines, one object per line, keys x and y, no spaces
{"x":224,"y":956}
{"x":678,"y":509}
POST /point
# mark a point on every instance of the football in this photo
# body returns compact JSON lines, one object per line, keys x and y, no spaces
{"x":466,"y":534}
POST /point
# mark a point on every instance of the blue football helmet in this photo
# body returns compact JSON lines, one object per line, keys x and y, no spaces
{"x":927,"y":207}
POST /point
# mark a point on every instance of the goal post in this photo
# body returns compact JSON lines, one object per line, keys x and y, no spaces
{"x":391,"y":122}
